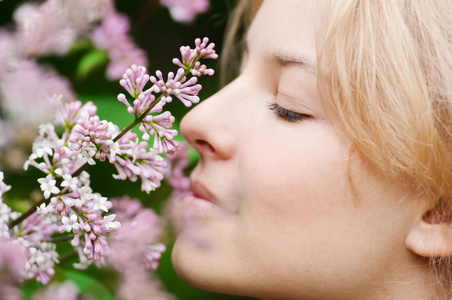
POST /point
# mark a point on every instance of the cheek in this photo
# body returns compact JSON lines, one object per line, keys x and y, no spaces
{"x":295,"y":193}
{"x":299,"y":174}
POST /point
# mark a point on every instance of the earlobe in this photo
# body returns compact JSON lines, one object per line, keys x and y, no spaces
{"x":430,"y":239}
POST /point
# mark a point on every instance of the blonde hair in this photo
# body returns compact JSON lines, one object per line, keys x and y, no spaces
{"x":385,"y":76}
{"x":234,"y":48}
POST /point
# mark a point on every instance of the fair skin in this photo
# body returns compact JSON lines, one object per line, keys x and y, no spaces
{"x":276,"y":216}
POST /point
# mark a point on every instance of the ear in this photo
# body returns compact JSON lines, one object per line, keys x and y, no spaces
{"x":430,"y":239}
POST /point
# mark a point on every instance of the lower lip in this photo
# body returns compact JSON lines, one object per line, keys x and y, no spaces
{"x":202,"y":207}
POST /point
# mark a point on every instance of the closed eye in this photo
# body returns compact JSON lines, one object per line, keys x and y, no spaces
{"x":287,"y":115}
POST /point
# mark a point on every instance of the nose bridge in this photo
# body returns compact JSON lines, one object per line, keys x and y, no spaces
{"x":211,"y":127}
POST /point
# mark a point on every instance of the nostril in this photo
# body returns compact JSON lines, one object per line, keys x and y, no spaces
{"x":205,"y":145}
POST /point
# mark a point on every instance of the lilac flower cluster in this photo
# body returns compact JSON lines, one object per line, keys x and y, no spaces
{"x":40,"y":29}
{"x":146,"y":104}
{"x":35,"y":256}
{"x":135,"y":250}
{"x":185,"y":11}
{"x":69,"y":207}
{"x":53,"y":26}
{"x":12,"y":262}
{"x":112,"y":36}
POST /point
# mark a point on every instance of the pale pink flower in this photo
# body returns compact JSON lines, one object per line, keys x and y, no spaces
{"x":44,"y":209}
{"x":70,"y":181}
{"x":48,"y":186}
{"x":95,"y":246}
{"x":99,"y":203}
{"x":112,"y":35}
{"x":12,"y":263}
{"x":139,"y":162}
{"x":29,"y":85}
{"x":70,"y":224}
{"x":89,"y":129}
{"x":84,"y":14}
{"x":10,"y":292}
{"x":57,"y":291}
{"x":43,"y":28}
{"x":152,"y":255}
{"x":41,"y":261}
{"x":109,"y":223}
{"x":185,"y":90}
{"x":3,"y":187}
{"x":89,"y":155}
{"x":8,"y":55}
{"x":160,"y":126}
{"x":134,"y":251}
{"x":67,"y":112}
{"x":134,"y":80}
{"x":13,"y":257}
{"x":190,"y":57}
{"x":185,"y":11}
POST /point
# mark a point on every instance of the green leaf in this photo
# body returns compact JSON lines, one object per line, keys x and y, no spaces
{"x":60,"y":275}
{"x":88,"y":285}
{"x":92,"y":60}
{"x":81,"y":45}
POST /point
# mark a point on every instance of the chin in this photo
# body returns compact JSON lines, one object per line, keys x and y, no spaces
{"x":202,"y":268}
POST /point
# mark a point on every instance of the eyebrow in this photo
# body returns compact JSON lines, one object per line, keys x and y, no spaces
{"x":284,"y":60}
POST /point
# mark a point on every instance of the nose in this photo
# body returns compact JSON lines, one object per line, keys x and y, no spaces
{"x":209,"y":128}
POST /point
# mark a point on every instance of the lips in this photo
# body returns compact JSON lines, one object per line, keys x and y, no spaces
{"x":203,"y":203}
{"x":201,"y":192}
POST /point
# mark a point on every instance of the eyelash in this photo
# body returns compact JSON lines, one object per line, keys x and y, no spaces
{"x":287,"y":114}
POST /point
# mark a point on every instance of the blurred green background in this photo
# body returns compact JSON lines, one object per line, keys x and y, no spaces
{"x":155,"y":32}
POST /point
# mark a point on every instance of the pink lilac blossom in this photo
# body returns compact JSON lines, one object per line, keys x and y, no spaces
{"x":5,"y":210}
{"x":136,"y":161}
{"x":185,"y":91}
{"x":43,"y":29}
{"x":112,"y":36}
{"x":12,"y":263}
{"x":185,"y":11}
{"x":53,"y":26}
{"x":83,"y":14}
{"x":88,"y":132}
{"x":190,"y":57}
{"x":70,"y":206}
{"x":29,"y":85}
{"x":12,"y":259}
{"x":39,"y":255}
{"x":70,"y":113}
{"x":72,"y":202}
{"x":35,"y":232}
{"x":8,"y":55}
{"x":160,"y":127}
{"x":41,"y":261}
{"x":135,"y":250}
{"x":58,"y":291}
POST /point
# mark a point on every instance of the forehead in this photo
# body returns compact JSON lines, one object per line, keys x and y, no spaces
{"x":284,"y":26}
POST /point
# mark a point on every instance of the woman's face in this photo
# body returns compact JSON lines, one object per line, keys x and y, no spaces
{"x":275,"y":214}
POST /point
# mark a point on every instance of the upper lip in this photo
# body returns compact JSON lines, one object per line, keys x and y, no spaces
{"x":201,"y":191}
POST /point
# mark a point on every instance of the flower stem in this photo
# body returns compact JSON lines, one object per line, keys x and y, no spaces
{"x":68,"y":257}
{"x":137,"y":120}
{"x":25,"y":215}
{"x":61,"y":239}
